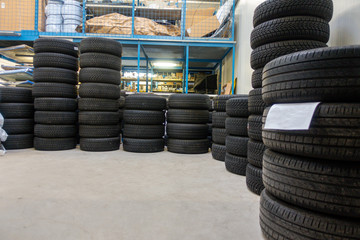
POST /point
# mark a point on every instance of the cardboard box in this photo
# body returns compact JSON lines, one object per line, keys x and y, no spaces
{"x":204,"y":27}
{"x":17,"y":15}
{"x":194,"y":16}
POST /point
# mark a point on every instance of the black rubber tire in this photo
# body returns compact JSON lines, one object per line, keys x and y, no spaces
{"x":55,"y":45}
{"x":55,"y":131}
{"x":55,"y":104}
{"x":272,"y":9}
{"x":279,"y":220}
{"x":54,"y":117}
{"x":255,"y":153}
{"x":290,"y":28}
{"x":143,"y":131}
{"x":15,"y":95}
{"x":99,"y":131}
{"x":219,"y":119}
{"x":100,"y":60}
{"x":99,"y":90}
{"x":18,"y":126}
{"x":55,"y":75}
{"x":237,"y":145}
{"x":100,"y":144}
{"x":237,"y":107}
{"x":236,"y":164}
{"x":218,"y":152}
{"x":17,"y":110}
{"x":254,"y":179}
{"x":268,"y":52}
{"x":145,"y":102}
{"x":219,"y":135}
{"x":98,"y":118}
{"x":187,"y":131}
{"x":256,"y":103}
{"x":98,"y":104}
{"x":318,"y":75}
{"x":144,"y":117}
{"x":101,"y":45}
{"x":54,"y":144}
{"x":54,"y":90}
{"x":55,"y":60}
{"x":19,"y":141}
{"x":256,"y":78}
{"x":185,"y":146}
{"x":143,"y":145}
{"x":220,"y":101}
{"x":189,"y":101}
{"x":255,"y":127}
{"x":121,"y":101}
{"x":333,"y":134}
{"x":236,"y":126}
{"x":99,"y":75}
{"x":188,"y":116}
{"x":121,"y":115}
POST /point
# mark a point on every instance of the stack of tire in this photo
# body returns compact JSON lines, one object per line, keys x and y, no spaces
{"x":280,"y":27}
{"x":312,"y":176}
{"x":55,"y":92}
{"x":237,"y":136}
{"x":121,"y":111}
{"x":210,"y":123}
{"x":100,"y":62}
{"x":17,"y":108}
{"x":187,"y":118}
{"x":144,"y":118}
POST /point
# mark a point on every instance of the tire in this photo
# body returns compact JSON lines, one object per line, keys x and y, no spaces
{"x":290,"y":28}
{"x":55,"y":75}
{"x":54,"y":144}
{"x":99,"y":131}
{"x":98,"y":118}
{"x":188,"y":116}
{"x":143,"y":117}
{"x":143,"y":131}
{"x":55,"y":131}
{"x":18,"y":126}
{"x":319,"y":75}
{"x":189,"y":101}
{"x":101,"y":45}
{"x":273,"y":9}
{"x":55,"y":60}
{"x":268,"y":52}
{"x":121,"y":115}
{"x":236,"y":164}
{"x":237,"y":107}
{"x":99,"y":75}
{"x":143,"y":145}
{"x":333,"y":134}
{"x":279,"y":220}
{"x":15,"y":95}
{"x":219,"y":119}
{"x":121,"y":102}
{"x":255,"y":127}
{"x":17,"y":110}
{"x":99,"y":90}
{"x":256,"y":78}
{"x":54,"y":90}
{"x":98,"y":104}
{"x":55,"y":104}
{"x":145,"y":102}
{"x":187,"y":131}
{"x":218,"y":152}
{"x":100,"y":60}
{"x":236,"y":126}
{"x":183,"y":146}
{"x":255,"y":153}
{"x":237,"y":145}
{"x":219,"y":135}
{"x":56,"y":118}
{"x":256,"y":103}
{"x":220,"y":101}
{"x":254,"y":179}
{"x":19,"y":141}
{"x":100,"y":144}
{"x":54,"y":45}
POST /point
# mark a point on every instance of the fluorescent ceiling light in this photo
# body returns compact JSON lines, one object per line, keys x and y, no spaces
{"x":165,"y":64}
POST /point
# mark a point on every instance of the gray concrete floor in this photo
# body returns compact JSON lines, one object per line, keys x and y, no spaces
{"x":75,"y":195}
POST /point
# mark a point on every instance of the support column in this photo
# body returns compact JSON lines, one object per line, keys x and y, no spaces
{"x":220,"y":77}
{"x":138,"y":68}
{"x":147,"y":75}
{"x":187,"y":70}
{"x":233,"y":71}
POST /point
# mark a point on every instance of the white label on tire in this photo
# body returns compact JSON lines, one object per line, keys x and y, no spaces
{"x":290,"y":116}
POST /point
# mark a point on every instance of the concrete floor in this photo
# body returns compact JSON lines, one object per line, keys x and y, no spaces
{"x":76,"y":195}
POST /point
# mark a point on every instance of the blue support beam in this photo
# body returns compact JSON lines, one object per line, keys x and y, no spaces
{"x":84,"y":16}
{"x":147,"y":76}
{"x":138,"y":69}
{"x":233,"y":72}
{"x":36,"y":20}
{"x":187,"y":70}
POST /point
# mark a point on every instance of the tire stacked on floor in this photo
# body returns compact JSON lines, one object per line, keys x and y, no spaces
{"x":100,"y":62}
{"x":121,"y":112}
{"x":211,"y":109}
{"x":17,"y":108}
{"x":312,"y":177}
{"x":237,"y":136}
{"x":144,"y":118}
{"x":187,"y":118}
{"x":55,"y":92}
